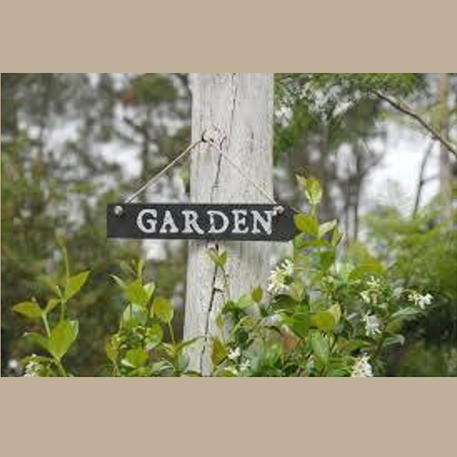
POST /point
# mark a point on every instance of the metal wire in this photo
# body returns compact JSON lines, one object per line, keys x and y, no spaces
{"x":241,"y":172}
{"x":204,"y":139}
{"x":163,"y":171}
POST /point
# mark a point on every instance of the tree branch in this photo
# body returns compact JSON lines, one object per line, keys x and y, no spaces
{"x":421,"y":180}
{"x":401,"y":106}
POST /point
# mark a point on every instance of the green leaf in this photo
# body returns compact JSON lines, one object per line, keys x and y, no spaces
{"x":62,"y":337}
{"x":372,"y":267}
{"x":154,"y":335}
{"x":257,"y":294}
{"x":406,"y":313}
{"x":149,"y":289}
{"x":135,"y":358}
{"x":162,"y":309}
{"x":300,"y":243}
{"x":119,"y":281}
{"x":52,"y":285}
{"x":219,"y":258}
{"x":162,"y":368}
{"x":320,"y":346}
{"x":244,"y":302}
{"x":52,"y":303}
{"x":128,"y":270}
{"x":219,"y":351}
{"x":283,"y":302}
{"x":111,"y":350}
{"x":223,"y":258}
{"x":337,"y":235}
{"x":135,"y":293}
{"x":181,"y":362}
{"x":140,"y":268}
{"x":324,"y":320}
{"x":326,"y":227}
{"x":133,"y":316}
{"x":312,"y":189}
{"x":29,"y":309}
{"x":184,"y":343}
{"x":306,"y":223}
{"x":326,"y":259}
{"x":38,"y":339}
{"x":220,"y":322}
{"x":273,"y":354}
{"x":336,"y":311}
{"x":75,"y":283}
{"x":299,"y":323}
{"x":396,"y":339}
{"x":229,"y":306}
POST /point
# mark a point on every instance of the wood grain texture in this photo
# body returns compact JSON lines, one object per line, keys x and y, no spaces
{"x":240,"y":106}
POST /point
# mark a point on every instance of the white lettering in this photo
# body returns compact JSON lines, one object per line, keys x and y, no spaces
{"x":168,"y":221}
{"x":190,"y":222}
{"x":150,"y":222}
{"x":265,"y":223}
{"x":212,"y":222}
{"x":239,"y":221}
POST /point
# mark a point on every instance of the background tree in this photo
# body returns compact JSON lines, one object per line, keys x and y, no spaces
{"x":62,"y":141}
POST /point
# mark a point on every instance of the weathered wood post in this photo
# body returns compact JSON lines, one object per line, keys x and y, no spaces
{"x":240,"y":107}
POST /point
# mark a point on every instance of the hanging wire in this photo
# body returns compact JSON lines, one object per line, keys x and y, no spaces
{"x":158,"y":175}
{"x":206,"y":138}
{"x":241,"y":172}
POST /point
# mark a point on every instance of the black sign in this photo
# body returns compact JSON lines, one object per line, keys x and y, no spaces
{"x":201,"y":221}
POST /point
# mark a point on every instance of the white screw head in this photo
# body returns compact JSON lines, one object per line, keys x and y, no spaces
{"x":118,"y":210}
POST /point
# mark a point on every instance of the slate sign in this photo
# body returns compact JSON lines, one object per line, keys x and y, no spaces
{"x":252,"y":222}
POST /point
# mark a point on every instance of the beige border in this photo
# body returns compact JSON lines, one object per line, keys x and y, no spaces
{"x":236,"y":417}
{"x":387,"y":417}
{"x":236,"y":35}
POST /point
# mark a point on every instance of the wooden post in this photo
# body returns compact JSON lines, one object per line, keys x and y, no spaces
{"x":240,"y":107}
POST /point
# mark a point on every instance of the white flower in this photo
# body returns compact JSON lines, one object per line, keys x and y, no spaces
{"x":425,"y":300}
{"x":362,"y":368}
{"x":420,"y":300}
{"x":372,"y":325}
{"x":32,"y":369}
{"x":398,"y":291}
{"x":365,"y":296}
{"x":234,"y":354}
{"x":245,"y":365}
{"x":13,"y":364}
{"x":277,"y":279}
{"x":274,"y":319}
{"x":288,"y":267}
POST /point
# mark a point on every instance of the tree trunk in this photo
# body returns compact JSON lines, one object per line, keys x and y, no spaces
{"x":445,"y":160}
{"x":240,"y":107}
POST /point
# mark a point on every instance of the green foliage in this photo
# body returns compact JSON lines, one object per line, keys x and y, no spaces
{"x":162,"y":309}
{"x":421,"y":253}
{"x":58,"y":334}
{"x":319,"y":318}
{"x":29,"y":309}
{"x":62,"y":187}
{"x":139,"y":347}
